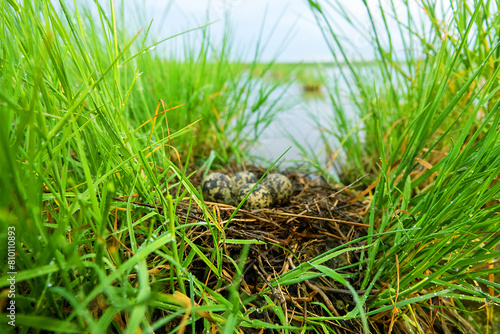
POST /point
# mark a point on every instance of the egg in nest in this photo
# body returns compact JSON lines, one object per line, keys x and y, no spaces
{"x":216,"y":187}
{"x":279,"y":186}
{"x":240,"y":179}
{"x":260,"y":198}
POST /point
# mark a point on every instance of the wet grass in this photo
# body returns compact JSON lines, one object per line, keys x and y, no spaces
{"x":97,"y":175}
{"x":426,"y":139}
{"x":93,"y":121}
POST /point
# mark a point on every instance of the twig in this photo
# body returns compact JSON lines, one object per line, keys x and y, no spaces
{"x":323,"y":295}
{"x":275,"y":293}
{"x":318,"y":218}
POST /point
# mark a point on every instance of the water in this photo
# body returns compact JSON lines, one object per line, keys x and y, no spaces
{"x":306,"y":118}
{"x":296,"y":122}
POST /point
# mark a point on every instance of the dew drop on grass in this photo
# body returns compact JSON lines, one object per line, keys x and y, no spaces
{"x":153,"y":47}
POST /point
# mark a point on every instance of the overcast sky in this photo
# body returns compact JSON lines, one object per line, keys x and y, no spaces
{"x":281,"y":18}
{"x":289,"y":17}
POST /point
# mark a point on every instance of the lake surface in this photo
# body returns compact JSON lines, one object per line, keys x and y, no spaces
{"x":305,"y":117}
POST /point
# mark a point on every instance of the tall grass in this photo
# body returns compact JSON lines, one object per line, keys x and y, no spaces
{"x":94,"y":170}
{"x":83,"y":140}
{"x":211,"y":86}
{"x":428,"y":144}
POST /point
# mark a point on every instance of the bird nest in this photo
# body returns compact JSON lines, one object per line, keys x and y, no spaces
{"x":321,"y":225}
{"x":317,"y":219}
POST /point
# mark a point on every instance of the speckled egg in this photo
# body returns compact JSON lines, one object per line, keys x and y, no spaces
{"x":240,"y":179}
{"x":260,"y":198}
{"x":216,"y":187}
{"x":279,"y":186}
